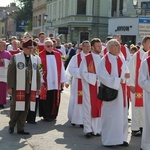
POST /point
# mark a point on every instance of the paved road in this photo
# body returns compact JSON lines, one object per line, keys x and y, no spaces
{"x":55,"y":135}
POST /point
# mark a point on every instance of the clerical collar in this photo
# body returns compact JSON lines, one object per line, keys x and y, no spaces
{"x":27,"y":56}
{"x":49,"y":53}
{"x":112,"y":54}
{"x":58,"y":47}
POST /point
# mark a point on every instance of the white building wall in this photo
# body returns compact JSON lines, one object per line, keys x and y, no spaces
{"x":104,"y":8}
{"x":89,"y":7}
{"x":116,"y":22}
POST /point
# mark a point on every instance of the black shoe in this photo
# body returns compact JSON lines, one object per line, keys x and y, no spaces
{"x":125,"y":144}
{"x":81,"y":126}
{"x":31,"y":122}
{"x":73,"y":124}
{"x":129,"y":120}
{"x":96,"y":134}
{"x":141,"y":130}
{"x":88,"y":135}
{"x":23,"y":132}
{"x":136,"y":133}
{"x":47,"y":119}
{"x":109,"y":146}
{"x":2,"y":106}
{"x":11,"y":130}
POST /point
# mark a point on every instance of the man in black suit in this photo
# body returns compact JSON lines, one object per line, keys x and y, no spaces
{"x":71,"y":52}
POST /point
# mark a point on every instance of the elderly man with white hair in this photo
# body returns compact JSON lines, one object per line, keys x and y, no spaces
{"x":53,"y":79}
{"x":113,"y":73}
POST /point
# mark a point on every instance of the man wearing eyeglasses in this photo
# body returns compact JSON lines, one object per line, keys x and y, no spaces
{"x":53,"y":79}
{"x":23,"y":84}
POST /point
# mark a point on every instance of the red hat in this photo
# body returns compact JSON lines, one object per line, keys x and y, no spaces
{"x":27,"y":43}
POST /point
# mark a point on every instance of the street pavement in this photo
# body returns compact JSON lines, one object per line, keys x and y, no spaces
{"x":55,"y":135}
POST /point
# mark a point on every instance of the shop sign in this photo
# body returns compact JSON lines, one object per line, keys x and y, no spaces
{"x":123,"y":28}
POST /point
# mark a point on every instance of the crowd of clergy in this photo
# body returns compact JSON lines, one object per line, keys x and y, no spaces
{"x":34,"y":72}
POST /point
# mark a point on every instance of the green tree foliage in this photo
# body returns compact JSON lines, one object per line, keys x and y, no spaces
{"x":24,"y":12}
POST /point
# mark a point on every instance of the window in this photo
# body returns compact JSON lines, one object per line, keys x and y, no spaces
{"x":2,"y":30}
{"x":114,"y":8}
{"x":84,"y":36}
{"x":81,"y":7}
{"x":145,"y":5}
{"x":39,"y":20}
{"x":145,"y":8}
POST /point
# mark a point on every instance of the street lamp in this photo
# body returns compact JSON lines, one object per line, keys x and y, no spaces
{"x":45,"y":17}
{"x":138,"y":8}
{"x":135,"y":3}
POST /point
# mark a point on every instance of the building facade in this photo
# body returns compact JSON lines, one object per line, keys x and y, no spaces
{"x":39,"y":11}
{"x":78,"y":20}
{"x":134,"y":23}
{"x":7,"y":23}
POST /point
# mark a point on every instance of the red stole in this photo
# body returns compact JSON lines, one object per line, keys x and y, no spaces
{"x":148,"y":53}
{"x":105,"y":51}
{"x":95,"y":102}
{"x":123,"y":50}
{"x":79,"y":81}
{"x":20,"y":95}
{"x":13,"y":52}
{"x":42,"y":55}
{"x":148,"y":63}
{"x":40,"y":48}
{"x":138,"y":89}
{"x":119,"y":65}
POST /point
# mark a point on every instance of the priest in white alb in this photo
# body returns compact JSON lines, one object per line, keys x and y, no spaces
{"x":91,"y":104}
{"x":113,"y":73}
{"x":75,"y":112}
{"x":144,"y":82}
{"x":136,"y":90}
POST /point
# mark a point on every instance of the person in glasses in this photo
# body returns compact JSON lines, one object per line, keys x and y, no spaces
{"x":24,"y":83}
{"x":31,"y":117}
{"x":53,"y":79}
{"x":113,"y":72}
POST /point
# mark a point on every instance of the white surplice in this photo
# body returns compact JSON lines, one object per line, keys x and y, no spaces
{"x":128,"y":55}
{"x":146,"y":54}
{"x":114,"y":114}
{"x":3,"y":71}
{"x":144,"y":82}
{"x":90,"y":124}
{"x":75,"y":114}
{"x":137,"y":112}
{"x":52,"y":79}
